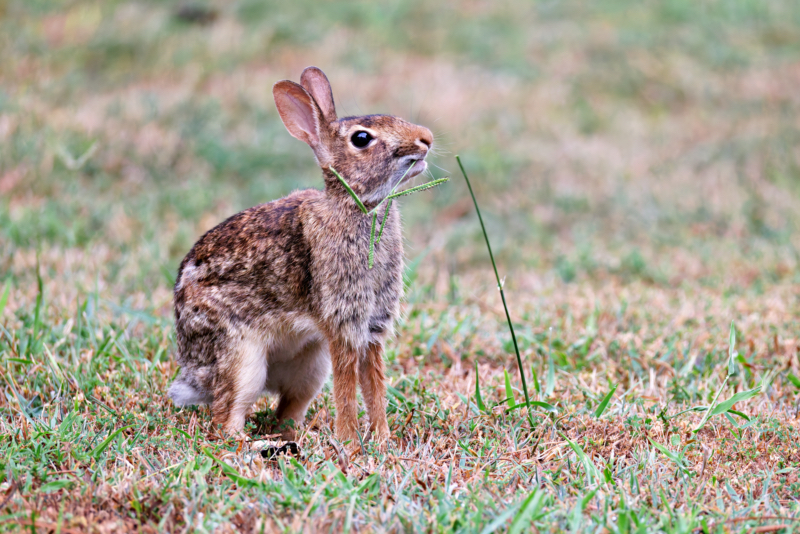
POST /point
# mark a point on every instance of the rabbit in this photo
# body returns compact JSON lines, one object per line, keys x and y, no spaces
{"x":275,"y":296}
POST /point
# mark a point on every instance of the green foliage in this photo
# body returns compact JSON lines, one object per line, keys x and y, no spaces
{"x":509,"y":390}
{"x":725,"y":406}
{"x":478,"y":397}
{"x":601,"y":408}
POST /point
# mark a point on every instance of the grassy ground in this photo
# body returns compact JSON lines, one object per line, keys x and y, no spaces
{"x":639,"y":171}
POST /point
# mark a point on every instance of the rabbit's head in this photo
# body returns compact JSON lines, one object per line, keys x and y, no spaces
{"x":372,"y":152}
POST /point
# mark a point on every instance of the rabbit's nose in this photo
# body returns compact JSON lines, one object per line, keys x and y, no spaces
{"x":424,"y":138}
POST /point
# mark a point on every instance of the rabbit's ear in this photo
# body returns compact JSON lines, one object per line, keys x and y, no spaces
{"x":301,"y":116}
{"x":317,"y":84}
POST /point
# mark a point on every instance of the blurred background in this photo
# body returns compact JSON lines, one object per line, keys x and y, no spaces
{"x":609,"y":141}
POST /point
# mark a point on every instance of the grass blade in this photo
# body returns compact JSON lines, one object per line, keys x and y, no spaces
{"x":591,"y":470}
{"x":418,"y":188}
{"x":502,"y":294}
{"x":392,"y":192}
{"x":604,"y":403}
{"x":232,"y":474}
{"x":4,"y":298}
{"x":478,"y":398}
{"x":37,"y":318}
{"x":56,"y":485}
{"x":536,"y":385}
{"x":56,"y":369}
{"x":576,"y":518}
{"x":372,"y":242}
{"x":732,"y":350}
{"x":499,"y":521}
{"x":711,"y":407}
{"x":550,"y":383}
{"x":383,"y":222}
{"x":725,"y":406}
{"x":365,"y":211}
{"x":106,"y":442}
{"x":530,"y":506}
{"x":509,"y":391}
{"x":669,"y":454}
{"x":705,"y":408}
{"x":793,"y":379}
{"x":740,"y":414}
{"x":349,"y":189}
{"x":9,"y":378}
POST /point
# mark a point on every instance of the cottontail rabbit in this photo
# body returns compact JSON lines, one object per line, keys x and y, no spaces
{"x":274,"y":296}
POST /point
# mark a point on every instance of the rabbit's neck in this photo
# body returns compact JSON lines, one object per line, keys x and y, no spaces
{"x":350,"y":216}
{"x":337,"y":192}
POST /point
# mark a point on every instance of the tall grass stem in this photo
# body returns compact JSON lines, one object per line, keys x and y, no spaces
{"x":502,"y":294}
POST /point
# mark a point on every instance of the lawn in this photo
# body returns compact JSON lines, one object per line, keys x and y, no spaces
{"x":638,"y":169}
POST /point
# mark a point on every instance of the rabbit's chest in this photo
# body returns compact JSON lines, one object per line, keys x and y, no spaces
{"x":360,"y":302}
{"x":378,"y":285}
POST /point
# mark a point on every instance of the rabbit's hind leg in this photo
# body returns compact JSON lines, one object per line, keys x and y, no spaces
{"x":241,"y":381}
{"x":297,"y":381}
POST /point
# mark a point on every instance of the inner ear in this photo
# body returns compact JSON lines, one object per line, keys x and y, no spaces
{"x":317,"y":84}
{"x":298,"y":112}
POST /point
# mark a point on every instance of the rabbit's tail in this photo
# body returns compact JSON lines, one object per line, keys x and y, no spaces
{"x":185,"y":391}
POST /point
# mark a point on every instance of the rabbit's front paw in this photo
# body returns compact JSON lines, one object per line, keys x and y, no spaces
{"x":380,"y":434}
{"x":381,"y":439}
{"x":347,"y":432}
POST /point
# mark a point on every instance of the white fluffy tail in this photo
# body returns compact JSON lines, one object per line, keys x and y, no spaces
{"x":184,"y":394}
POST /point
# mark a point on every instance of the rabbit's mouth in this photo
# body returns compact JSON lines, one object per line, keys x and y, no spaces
{"x":417,"y":167}
{"x":410,"y":166}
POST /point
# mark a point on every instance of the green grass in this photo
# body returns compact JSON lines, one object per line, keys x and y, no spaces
{"x":637,"y":170}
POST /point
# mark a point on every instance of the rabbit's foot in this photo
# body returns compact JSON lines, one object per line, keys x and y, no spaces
{"x":380,"y":435}
{"x":353,"y":447}
{"x":347,"y":434}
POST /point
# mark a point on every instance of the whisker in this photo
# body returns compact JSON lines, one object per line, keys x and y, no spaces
{"x":440,"y":168}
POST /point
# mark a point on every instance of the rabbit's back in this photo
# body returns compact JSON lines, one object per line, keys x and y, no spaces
{"x":254,"y":265}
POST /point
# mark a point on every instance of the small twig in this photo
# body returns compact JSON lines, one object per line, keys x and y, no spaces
{"x":11,"y":491}
{"x":341,"y":454}
{"x":102,"y":405}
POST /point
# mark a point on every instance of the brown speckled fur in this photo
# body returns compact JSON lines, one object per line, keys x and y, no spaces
{"x":274,"y":296}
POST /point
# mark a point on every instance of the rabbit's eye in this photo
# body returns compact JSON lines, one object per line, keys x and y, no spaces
{"x":360,"y":139}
